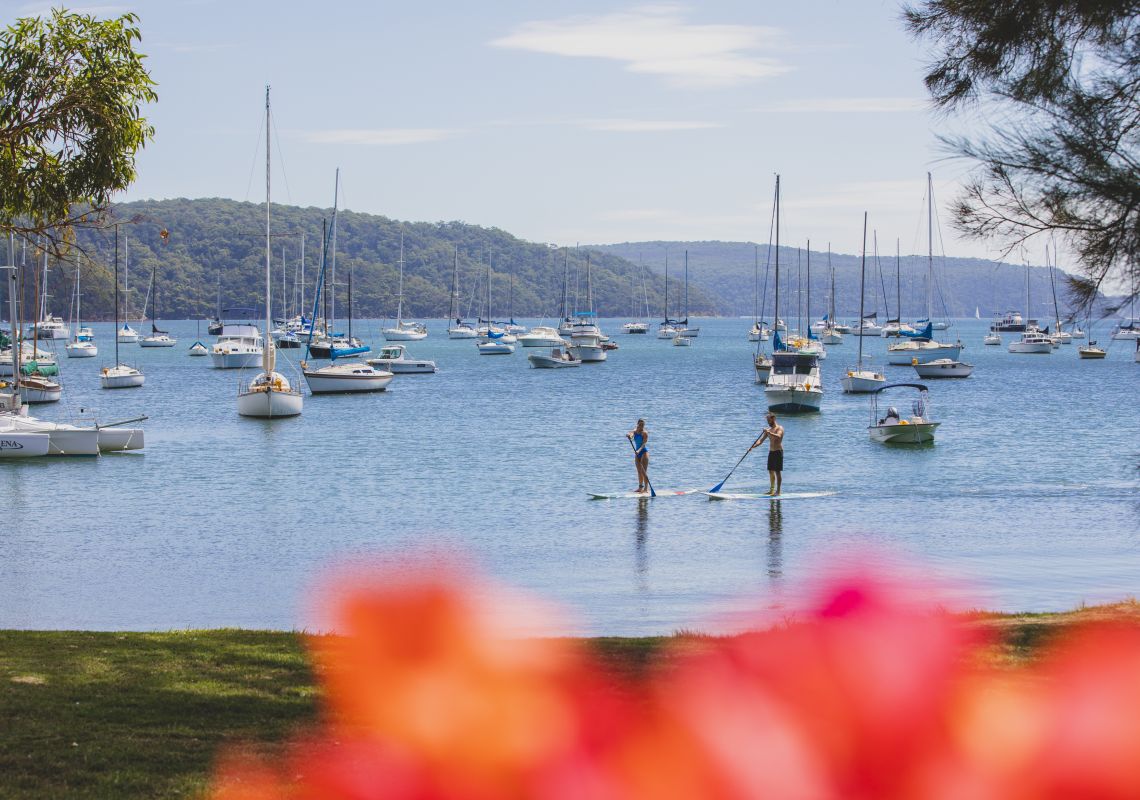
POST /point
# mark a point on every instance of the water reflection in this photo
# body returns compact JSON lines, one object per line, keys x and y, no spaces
{"x":775,"y":540}
{"x":641,"y":545}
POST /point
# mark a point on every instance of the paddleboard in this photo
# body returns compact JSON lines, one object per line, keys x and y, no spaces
{"x":637,"y":495}
{"x":759,"y":496}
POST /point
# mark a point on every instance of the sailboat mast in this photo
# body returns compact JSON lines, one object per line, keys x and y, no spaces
{"x":400,"y":295}
{"x":666,"y":285}
{"x":589,"y":285}
{"x":17,"y":345}
{"x":898,"y":279}
{"x":455,"y":288}
{"x":862,"y":278}
{"x":350,"y":344}
{"x":929,"y":243}
{"x":267,"y":342}
{"x":117,"y":295}
{"x":1053,"y":285}
{"x":332,"y":293}
{"x":126,"y":277}
{"x":686,"y":287}
{"x":809,"y":283}
{"x":301,"y":310}
{"x":776,"y":305}
{"x":755,"y":284}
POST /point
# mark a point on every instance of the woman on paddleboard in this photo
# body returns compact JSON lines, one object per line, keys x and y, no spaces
{"x":639,"y":437}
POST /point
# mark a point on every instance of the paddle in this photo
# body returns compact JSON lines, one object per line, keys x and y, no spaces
{"x":651,"y":492}
{"x":716,"y":488}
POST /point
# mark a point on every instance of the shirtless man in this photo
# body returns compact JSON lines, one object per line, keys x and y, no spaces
{"x":775,"y":435}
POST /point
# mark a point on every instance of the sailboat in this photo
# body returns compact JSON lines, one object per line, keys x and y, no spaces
{"x":36,"y":386}
{"x":403,"y":331}
{"x":461,"y":329}
{"x":921,"y":347}
{"x":858,"y":379}
{"x":759,"y":331}
{"x":830,"y":334}
{"x":794,"y":383}
{"x":493,"y":342}
{"x":1033,"y":341}
{"x":120,"y":376}
{"x":667,"y":328}
{"x":683,"y":328}
{"x":1059,"y":336}
{"x":126,"y":334}
{"x":83,"y":344}
{"x":157,"y":338}
{"x":269,"y":394}
{"x":638,"y":325}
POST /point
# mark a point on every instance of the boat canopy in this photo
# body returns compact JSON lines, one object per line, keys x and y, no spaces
{"x":789,"y":362}
{"x":921,"y":387}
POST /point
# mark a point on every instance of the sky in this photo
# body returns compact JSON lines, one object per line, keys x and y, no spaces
{"x":559,"y":122}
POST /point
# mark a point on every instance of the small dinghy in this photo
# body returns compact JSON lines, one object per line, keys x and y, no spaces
{"x":942,"y":368}
{"x":557,"y":358}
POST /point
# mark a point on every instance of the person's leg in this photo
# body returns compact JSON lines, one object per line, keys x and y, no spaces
{"x":779,"y":481}
{"x":771,"y":481}
{"x":645,"y":471}
{"x":640,"y":474}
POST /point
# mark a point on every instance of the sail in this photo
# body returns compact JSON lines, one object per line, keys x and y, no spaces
{"x":778,"y":343}
{"x":873,"y":315}
{"x":811,"y":334}
{"x":925,"y":333}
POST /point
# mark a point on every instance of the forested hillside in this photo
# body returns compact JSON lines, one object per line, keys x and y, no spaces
{"x":961,"y":285}
{"x":218,"y":246}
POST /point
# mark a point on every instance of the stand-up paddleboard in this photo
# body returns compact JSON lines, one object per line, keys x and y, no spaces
{"x":640,"y":495}
{"x":761,"y":496}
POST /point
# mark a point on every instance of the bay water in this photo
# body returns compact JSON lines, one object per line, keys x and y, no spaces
{"x":1028,"y":500}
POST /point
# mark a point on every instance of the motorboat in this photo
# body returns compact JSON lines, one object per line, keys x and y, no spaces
{"x":81,"y":349}
{"x":494,"y":347}
{"x":992,"y":338}
{"x":121,"y":376}
{"x":541,"y":336}
{"x":634,"y":327}
{"x":394,"y":359}
{"x":51,"y":327}
{"x":289,"y":340}
{"x":1032,"y":342}
{"x":1091,"y":350}
{"x":346,"y":377}
{"x":557,"y":358}
{"x":127,"y":335}
{"x":867,"y":328}
{"x":158,"y":340}
{"x":588,"y":347}
{"x":199,"y":349}
{"x":239,"y":346}
{"x":1009,"y":322}
{"x":794,"y":383}
{"x":680,"y":340}
{"x":269,"y":395}
{"x":896,"y":428}
{"x":943,"y":368}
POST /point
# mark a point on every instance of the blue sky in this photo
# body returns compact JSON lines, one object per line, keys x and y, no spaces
{"x":559,"y":122}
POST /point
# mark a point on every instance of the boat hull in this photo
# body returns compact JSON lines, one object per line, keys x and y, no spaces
{"x":862,"y":381}
{"x":114,"y":440}
{"x":400,"y":366}
{"x":462,"y":333}
{"x":235,"y":359}
{"x":82,"y":350}
{"x":906,"y":357}
{"x":41,"y":392}
{"x":903,"y":433}
{"x":539,"y":361}
{"x":116,"y":378}
{"x":939,"y":369}
{"x":495,"y":349}
{"x":391,"y":335}
{"x":1031,"y":348}
{"x":792,"y":399}
{"x":531,"y":340}
{"x":157,"y":341}
{"x":348,"y":382}
{"x":270,"y":403}
{"x":23,"y":444}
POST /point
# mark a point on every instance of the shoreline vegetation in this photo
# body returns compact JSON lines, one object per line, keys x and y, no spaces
{"x":125,"y":714}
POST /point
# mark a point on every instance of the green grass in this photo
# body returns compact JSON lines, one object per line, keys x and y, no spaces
{"x":125,"y":715}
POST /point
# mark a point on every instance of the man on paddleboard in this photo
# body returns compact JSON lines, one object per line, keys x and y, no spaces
{"x":639,"y":437}
{"x":774,"y":433}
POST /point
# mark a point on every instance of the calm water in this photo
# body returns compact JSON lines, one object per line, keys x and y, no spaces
{"x":1030,"y":499}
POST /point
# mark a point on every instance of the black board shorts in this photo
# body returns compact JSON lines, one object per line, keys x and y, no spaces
{"x":775,"y":460}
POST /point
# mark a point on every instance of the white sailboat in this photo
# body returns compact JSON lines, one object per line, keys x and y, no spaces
{"x":493,"y":342}
{"x":126,"y":334}
{"x":684,"y":329}
{"x":858,"y":378}
{"x":269,"y":394}
{"x":83,"y":344}
{"x":638,"y":324}
{"x":157,"y":338}
{"x":460,"y":329}
{"x":586,"y":340}
{"x":794,"y":383}
{"x":403,"y":331}
{"x":119,"y":375}
{"x":922,"y":347}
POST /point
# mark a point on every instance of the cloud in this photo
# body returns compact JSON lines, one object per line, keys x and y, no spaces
{"x":645,"y":125}
{"x":657,"y":40}
{"x":886,"y":195}
{"x":847,"y":105}
{"x":379,"y":137}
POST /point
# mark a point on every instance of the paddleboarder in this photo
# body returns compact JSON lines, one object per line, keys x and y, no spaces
{"x":774,"y":433}
{"x":640,"y":439}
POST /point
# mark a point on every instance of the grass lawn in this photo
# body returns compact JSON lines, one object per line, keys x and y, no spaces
{"x":123,"y":715}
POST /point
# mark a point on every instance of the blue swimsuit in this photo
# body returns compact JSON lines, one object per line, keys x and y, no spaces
{"x":639,"y":445}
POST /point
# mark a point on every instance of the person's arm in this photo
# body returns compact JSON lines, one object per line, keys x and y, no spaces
{"x":760,"y":440}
